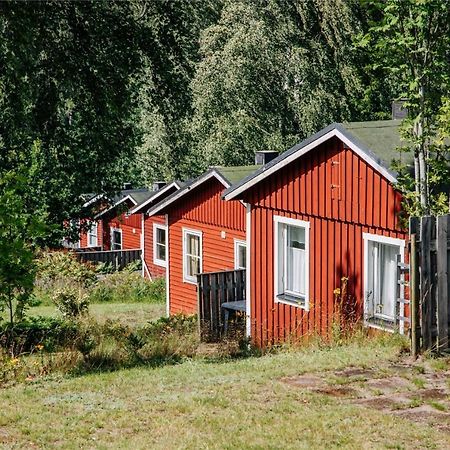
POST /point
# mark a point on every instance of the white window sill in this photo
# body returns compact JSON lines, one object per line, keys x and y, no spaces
{"x":189,"y":281}
{"x":380,"y":325}
{"x":291,"y":300}
{"x":159,"y":262}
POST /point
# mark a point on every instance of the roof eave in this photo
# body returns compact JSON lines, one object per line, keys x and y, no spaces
{"x":304,"y":147}
{"x":186,"y":189}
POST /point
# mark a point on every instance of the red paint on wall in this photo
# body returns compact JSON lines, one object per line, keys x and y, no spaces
{"x":342,"y":197}
{"x":153,"y":268}
{"x":202,"y":210}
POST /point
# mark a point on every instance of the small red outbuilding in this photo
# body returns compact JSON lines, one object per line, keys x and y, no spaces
{"x":324,"y":211}
{"x":204,"y":233}
{"x":154,"y":232}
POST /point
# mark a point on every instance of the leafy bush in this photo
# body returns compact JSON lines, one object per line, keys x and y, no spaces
{"x":127,"y":287}
{"x":114,"y":345}
{"x":58,"y":270}
{"x":48,"y":333}
{"x":54,"y":267}
{"x":71,"y":302}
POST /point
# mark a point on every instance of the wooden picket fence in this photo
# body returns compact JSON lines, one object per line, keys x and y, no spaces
{"x":430,"y":283}
{"x":118,"y":259}
{"x":214,"y":289}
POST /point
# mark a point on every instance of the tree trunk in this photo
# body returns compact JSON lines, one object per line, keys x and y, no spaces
{"x":420,"y":162}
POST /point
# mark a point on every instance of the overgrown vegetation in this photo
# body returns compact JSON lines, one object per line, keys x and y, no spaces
{"x":203,"y":403}
{"x":79,"y":346}
{"x":63,"y":280}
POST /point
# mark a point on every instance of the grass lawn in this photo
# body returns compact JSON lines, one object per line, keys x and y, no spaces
{"x":247,"y":403}
{"x":128,"y":313}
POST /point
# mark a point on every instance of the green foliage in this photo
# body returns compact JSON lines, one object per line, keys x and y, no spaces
{"x":66,"y":98}
{"x":410,"y":39}
{"x":128,"y":287}
{"x":56,"y":266}
{"x":71,"y":285}
{"x":37,"y":333}
{"x":71,"y":302}
{"x":19,"y":231}
{"x":272,"y":73}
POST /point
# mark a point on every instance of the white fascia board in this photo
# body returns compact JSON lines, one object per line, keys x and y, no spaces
{"x":207,"y":176}
{"x":128,"y":197}
{"x":93,"y":200}
{"x":154,"y":197}
{"x":302,"y":151}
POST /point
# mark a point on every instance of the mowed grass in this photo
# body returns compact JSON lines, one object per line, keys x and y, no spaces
{"x":202,"y":404}
{"x":132,"y":314}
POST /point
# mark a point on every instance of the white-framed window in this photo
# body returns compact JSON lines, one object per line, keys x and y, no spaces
{"x":92,"y":236}
{"x":159,"y":244}
{"x":116,"y":239}
{"x":192,"y":255}
{"x":240,"y":254}
{"x":380,"y":279}
{"x":291,"y":261}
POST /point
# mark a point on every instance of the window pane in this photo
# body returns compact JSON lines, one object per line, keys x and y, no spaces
{"x":296,"y":237}
{"x":161,"y":236}
{"x":382,"y":273}
{"x":295,"y":261}
{"x":193,"y":266}
{"x":161,"y":252}
{"x":242,"y":255}
{"x":193,"y":245}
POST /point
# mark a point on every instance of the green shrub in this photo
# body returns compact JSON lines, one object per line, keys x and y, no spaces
{"x":71,"y":302}
{"x":48,"y":333}
{"x":57,"y":266}
{"x":127,"y":287}
{"x":58,"y":270}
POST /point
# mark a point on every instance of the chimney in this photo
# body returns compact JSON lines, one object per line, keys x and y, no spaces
{"x":263,"y":157}
{"x":399,"y":112}
{"x":127,"y":186}
{"x":157,"y":185}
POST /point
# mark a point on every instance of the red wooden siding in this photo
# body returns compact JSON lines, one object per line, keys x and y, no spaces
{"x":202,"y":210}
{"x":131,"y":230}
{"x":154,"y":269}
{"x":341,"y":197}
{"x":84,"y":240}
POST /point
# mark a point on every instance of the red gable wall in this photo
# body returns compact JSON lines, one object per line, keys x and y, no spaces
{"x":202,"y":210}
{"x":342,"y":197}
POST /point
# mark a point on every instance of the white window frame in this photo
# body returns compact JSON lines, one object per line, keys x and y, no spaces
{"x":279,"y":295}
{"x":239,"y":243}
{"x":157,"y":261}
{"x":93,"y":225}
{"x":370,"y":237}
{"x":188,"y":278}
{"x":121,"y":238}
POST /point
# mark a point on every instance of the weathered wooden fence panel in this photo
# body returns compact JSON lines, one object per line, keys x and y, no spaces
{"x":430,"y":283}
{"x":118,"y":259}
{"x":214,"y":289}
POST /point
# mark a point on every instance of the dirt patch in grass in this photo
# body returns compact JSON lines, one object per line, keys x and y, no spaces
{"x":412,"y":391}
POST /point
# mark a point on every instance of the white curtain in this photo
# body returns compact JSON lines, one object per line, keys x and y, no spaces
{"x":382,"y":279}
{"x":296,"y":270}
{"x":295,"y":260}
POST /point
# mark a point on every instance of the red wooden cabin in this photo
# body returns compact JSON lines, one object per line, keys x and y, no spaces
{"x":325,"y":210}
{"x":114,"y":228}
{"x":204,"y":233}
{"x":154,"y":232}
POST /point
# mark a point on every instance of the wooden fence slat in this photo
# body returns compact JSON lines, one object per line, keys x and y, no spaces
{"x":442,"y":282}
{"x":425,"y":281}
{"x":213,"y":290}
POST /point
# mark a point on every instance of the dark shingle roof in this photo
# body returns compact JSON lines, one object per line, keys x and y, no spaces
{"x":382,"y":137}
{"x":230,"y":175}
{"x":235,"y":173}
{"x":377,"y":141}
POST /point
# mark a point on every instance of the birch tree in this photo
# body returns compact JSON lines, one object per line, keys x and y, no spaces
{"x":412,"y":41}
